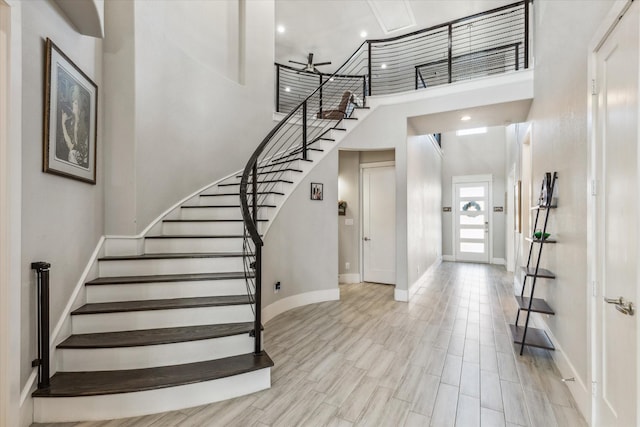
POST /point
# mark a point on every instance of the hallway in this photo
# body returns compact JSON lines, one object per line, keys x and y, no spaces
{"x":445,"y":358}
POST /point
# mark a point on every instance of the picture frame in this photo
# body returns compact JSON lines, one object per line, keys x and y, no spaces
{"x":316,"y":191}
{"x":70,"y":118}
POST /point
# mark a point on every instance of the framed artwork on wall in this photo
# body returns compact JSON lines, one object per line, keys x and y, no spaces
{"x":70,"y":118}
{"x":316,"y":191}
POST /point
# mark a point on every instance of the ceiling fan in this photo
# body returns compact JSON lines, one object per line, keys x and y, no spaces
{"x":310,"y":66}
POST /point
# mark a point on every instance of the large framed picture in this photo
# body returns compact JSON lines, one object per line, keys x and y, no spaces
{"x":70,"y":118}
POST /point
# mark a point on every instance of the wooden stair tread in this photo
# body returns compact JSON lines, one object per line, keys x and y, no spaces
{"x":276,"y":171}
{"x":71,"y":384}
{"x":275,"y":162}
{"x":544,"y":273}
{"x":170,"y":256}
{"x":161,"y":304}
{"x":123,"y":280}
{"x":535,"y":337}
{"x":147,"y":337}
{"x":538,"y":305}
{"x":266,"y":181}
{"x":209,"y":220}
{"x":223,"y":206}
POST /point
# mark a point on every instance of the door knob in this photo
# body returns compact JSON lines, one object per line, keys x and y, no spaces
{"x":624,"y":307}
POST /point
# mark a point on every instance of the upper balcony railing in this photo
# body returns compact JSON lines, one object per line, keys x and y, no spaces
{"x":485,"y":44}
{"x":488,"y":43}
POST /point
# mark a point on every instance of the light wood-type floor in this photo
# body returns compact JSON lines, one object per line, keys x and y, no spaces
{"x":443,"y":359}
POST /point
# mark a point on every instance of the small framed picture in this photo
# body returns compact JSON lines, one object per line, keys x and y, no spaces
{"x":70,"y":118}
{"x":316,"y":191}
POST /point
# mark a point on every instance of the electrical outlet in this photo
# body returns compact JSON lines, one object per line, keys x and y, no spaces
{"x":276,"y":287}
{"x":347,"y":265}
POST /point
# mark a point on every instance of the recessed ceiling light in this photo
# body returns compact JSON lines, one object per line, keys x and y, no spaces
{"x":281,"y":29}
{"x":383,"y":66}
{"x":465,"y":118}
{"x":287,"y":89}
{"x":331,"y":79}
{"x":472,"y":131}
{"x":363,"y":34}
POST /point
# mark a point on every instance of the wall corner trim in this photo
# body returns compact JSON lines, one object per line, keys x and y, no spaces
{"x":288,"y":303}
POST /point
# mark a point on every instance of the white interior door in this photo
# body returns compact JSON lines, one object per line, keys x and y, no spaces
{"x":472,"y":221}
{"x":379,"y":224}
{"x":616,"y":220}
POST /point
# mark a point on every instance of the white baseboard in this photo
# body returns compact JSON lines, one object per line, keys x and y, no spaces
{"x":286,"y":304}
{"x":401,"y":295}
{"x":578,"y":388}
{"x":499,"y":261}
{"x":449,"y":258}
{"x":349,"y":278}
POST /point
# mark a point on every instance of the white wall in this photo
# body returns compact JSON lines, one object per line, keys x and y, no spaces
{"x":475,"y":155}
{"x":62,"y":219}
{"x":301,"y":247}
{"x":559,"y":143}
{"x":193,"y":98}
{"x":424,"y":202}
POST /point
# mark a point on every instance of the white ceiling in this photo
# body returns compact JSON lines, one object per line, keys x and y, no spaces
{"x":331,"y":28}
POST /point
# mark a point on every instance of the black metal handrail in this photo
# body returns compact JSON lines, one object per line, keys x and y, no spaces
{"x":377,"y":67}
{"x":42,"y":312}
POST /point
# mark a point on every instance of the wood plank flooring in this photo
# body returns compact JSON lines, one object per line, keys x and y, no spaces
{"x":444,"y":359}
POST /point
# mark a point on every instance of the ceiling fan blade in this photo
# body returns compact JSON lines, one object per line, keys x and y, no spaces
{"x":296,"y":62}
{"x":322,"y":63}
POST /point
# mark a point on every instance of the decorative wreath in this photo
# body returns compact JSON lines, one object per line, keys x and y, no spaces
{"x":470,"y":205}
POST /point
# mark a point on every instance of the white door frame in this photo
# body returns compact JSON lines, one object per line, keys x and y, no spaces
{"x":10,"y":210}
{"x":606,"y":27}
{"x":362,"y":167}
{"x":473,"y":178}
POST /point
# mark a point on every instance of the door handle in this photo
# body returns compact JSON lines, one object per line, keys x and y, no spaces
{"x":366,"y":239}
{"x":624,"y":307}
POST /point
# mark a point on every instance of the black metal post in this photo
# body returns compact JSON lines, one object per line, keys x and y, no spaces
{"x":517,"y":57}
{"x":416,"y":68}
{"x":526,"y":34}
{"x":42,"y":284}
{"x":304,"y":130}
{"x":320,"y":94}
{"x":364,"y":90}
{"x":254,"y":193}
{"x":277,"y":88}
{"x":369,"y":66}
{"x":258,"y":300}
{"x":450,"y":54}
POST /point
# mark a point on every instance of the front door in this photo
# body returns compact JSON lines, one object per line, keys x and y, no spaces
{"x":616,"y":222}
{"x":379,"y":224}
{"x":471,"y":226}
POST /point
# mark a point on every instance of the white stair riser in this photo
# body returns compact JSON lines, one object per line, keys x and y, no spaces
{"x":192,"y":245}
{"x":152,"y":319}
{"x":110,"y":359}
{"x":145,"y":267}
{"x":266,"y":199}
{"x":105,"y":407}
{"x":165,"y":290}
{"x":264,"y":187}
{"x":231,"y":228}
{"x":218,"y":213}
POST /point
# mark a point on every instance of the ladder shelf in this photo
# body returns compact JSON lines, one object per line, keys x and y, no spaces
{"x":526,"y":335}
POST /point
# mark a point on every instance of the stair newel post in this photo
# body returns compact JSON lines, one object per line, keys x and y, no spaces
{"x":42,"y":284}
{"x":517,"y":61}
{"x":257,"y":327}
{"x":450,"y":53}
{"x":320,"y":95}
{"x":364,"y":90}
{"x":254,"y":193}
{"x":304,"y":130}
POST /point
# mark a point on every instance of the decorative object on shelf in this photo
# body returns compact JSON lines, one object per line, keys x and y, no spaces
{"x":342,"y":207}
{"x":538,"y":235}
{"x":70,"y":118}
{"x":316,"y":191}
{"x":526,"y":335}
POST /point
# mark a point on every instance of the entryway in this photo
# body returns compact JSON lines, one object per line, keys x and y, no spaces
{"x":472,"y":219}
